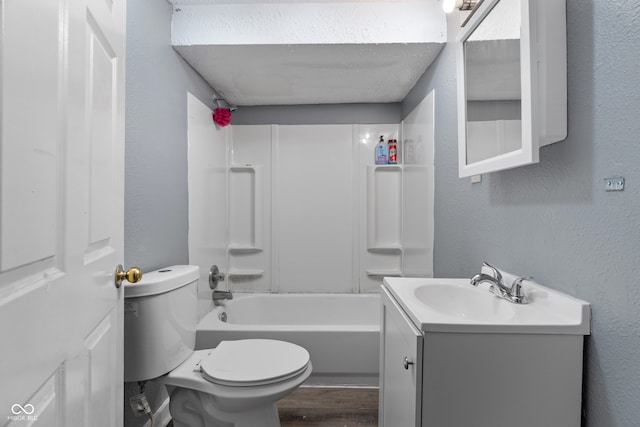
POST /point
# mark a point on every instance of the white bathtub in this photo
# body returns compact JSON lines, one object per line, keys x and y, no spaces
{"x":340,"y":331}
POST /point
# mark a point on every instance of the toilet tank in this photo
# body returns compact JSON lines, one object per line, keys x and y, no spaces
{"x":160,"y":316}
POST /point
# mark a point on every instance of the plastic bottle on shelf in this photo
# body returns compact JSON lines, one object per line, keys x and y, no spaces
{"x":393,"y":151}
{"x":382,"y":152}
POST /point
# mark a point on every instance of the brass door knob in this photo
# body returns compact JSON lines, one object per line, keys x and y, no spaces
{"x":132,"y":275}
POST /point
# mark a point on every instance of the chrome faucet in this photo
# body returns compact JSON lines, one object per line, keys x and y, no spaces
{"x":219,"y":296}
{"x":514,"y":294}
{"x":216,"y":276}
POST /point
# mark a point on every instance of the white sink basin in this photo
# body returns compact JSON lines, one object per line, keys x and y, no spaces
{"x":453,"y":305}
{"x":464,"y":301}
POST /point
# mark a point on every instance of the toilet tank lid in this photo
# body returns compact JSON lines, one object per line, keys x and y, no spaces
{"x":162,"y":280}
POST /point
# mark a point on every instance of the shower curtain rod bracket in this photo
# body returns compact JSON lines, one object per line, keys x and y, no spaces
{"x":219,"y":96}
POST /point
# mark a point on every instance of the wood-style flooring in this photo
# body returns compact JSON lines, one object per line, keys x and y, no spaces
{"x":330,"y":407}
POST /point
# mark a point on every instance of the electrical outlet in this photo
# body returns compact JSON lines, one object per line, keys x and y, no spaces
{"x":139,"y":404}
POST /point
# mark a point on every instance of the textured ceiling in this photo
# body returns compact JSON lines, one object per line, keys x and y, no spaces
{"x":311,"y":74}
{"x":303,"y":52}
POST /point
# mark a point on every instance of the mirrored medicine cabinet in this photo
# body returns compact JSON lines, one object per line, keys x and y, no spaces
{"x":512,"y":83}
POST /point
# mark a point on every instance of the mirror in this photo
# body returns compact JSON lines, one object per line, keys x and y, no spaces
{"x":492,"y":64}
{"x":505,"y":107}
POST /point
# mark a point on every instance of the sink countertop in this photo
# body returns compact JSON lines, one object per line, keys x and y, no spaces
{"x":454,"y":305}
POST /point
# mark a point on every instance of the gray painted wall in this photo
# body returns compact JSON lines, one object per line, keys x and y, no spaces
{"x":156,"y":202}
{"x":554,"y":220}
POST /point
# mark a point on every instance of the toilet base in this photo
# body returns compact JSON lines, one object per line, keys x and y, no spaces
{"x":197,"y":402}
{"x":191,"y":408}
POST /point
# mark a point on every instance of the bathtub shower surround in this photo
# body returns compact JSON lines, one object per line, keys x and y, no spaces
{"x":303,"y":208}
{"x":341,"y":332}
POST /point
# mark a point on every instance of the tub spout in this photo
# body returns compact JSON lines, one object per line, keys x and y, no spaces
{"x":219,"y":296}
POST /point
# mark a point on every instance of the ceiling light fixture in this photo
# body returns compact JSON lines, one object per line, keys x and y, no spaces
{"x":449,"y":5}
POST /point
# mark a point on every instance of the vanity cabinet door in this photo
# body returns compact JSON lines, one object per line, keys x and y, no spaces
{"x":400,"y":367}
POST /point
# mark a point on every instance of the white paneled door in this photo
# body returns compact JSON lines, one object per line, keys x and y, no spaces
{"x":61,"y":211}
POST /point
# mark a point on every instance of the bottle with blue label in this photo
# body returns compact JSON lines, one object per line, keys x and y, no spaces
{"x":382,"y":152}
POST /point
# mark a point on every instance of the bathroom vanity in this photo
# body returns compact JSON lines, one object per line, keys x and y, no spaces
{"x":457,"y":356}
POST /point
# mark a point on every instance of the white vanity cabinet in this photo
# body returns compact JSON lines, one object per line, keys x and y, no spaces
{"x":448,"y":366}
{"x":401,"y":366}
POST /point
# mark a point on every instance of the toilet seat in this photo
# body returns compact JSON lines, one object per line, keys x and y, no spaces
{"x":235,"y":398}
{"x":253,"y":362}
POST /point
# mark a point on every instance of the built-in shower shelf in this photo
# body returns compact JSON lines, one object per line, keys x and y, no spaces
{"x":392,"y":167}
{"x":245,"y":273}
{"x":243,"y":249}
{"x":384,"y":273}
{"x":241,"y":168}
{"x":393,"y":248}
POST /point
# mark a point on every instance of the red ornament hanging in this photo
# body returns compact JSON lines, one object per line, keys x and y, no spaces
{"x":222,"y":116}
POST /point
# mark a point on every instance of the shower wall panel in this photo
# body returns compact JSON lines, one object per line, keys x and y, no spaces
{"x":303,"y":208}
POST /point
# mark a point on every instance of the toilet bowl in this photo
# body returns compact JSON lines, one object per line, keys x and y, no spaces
{"x":236,"y":384}
{"x":208,"y":390}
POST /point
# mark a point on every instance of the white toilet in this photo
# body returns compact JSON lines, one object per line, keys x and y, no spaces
{"x":236,"y":384}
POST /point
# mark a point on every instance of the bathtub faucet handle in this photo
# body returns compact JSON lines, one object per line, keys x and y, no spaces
{"x":215,"y":276}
